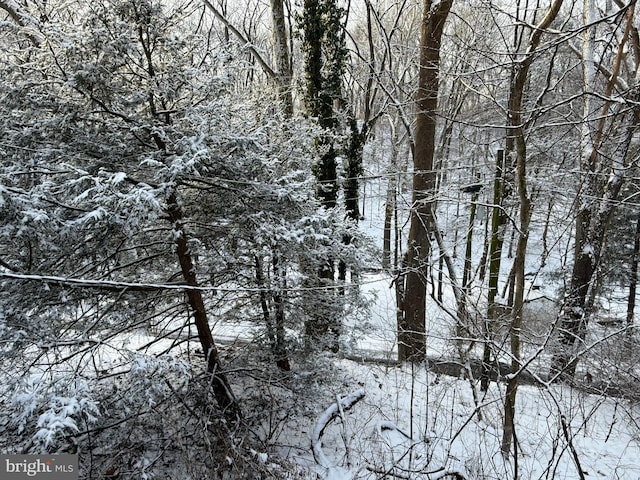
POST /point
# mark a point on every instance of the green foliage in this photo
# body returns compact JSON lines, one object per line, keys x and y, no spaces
{"x":323,"y":44}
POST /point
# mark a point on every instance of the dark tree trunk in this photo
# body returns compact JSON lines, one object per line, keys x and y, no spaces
{"x":498,"y":220}
{"x":594,"y":213}
{"x":591,"y":231}
{"x":264,"y":301}
{"x":411,"y":336}
{"x":353,"y":155}
{"x":386,"y":232}
{"x":390,"y":203}
{"x":353,"y":172}
{"x":633,"y":276}
{"x":279,"y":349}
{"x":574,"y":316}
{"x":219,"y":383}
{"x":462,"y":322}
{"x":271,"y":299}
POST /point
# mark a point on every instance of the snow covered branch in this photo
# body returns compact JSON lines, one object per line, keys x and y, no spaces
{"x":327,"y":416}
{"x":100,"y":284}
{"x":246,"y":43}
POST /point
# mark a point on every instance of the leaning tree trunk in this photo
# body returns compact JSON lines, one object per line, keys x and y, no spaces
{"x":219,"y":383}
{"x":591,"y":235}
{"x":412,"y":328}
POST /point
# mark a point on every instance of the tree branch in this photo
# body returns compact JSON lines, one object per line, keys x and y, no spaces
{"x":327,"y":416}
{"x":265,"y":66}
{"x":13,"y":10}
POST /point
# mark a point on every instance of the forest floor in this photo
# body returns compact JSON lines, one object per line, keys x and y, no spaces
{"x":426,"y":421}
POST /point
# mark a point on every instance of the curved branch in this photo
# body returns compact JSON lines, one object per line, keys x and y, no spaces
{"x":327,"y":416}
{"x":13,"y":10}
{"x":265,"y":66}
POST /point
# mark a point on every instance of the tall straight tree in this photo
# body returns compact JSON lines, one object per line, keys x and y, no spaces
{"x":412,"y":328}
{"x":325,"y":56}
{"x":281,"y":56}
{"x":516,"y":129}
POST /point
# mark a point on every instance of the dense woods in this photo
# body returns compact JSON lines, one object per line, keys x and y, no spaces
{"x":213,"y":214}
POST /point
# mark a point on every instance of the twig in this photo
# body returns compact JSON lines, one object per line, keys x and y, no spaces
{"x":574,"y":454}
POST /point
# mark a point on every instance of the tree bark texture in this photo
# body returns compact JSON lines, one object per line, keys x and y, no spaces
{"x":516,"y":129}
{"x":281,"y":56}
{"x":325,"y":54}
{"x":219,"y":383}
{"x":411,"y":334}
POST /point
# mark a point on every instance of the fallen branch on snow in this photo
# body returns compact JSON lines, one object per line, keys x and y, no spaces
{"x":343,"y":404}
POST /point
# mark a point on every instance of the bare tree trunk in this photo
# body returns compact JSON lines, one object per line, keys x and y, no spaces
{"x":495,"y":259}
{"x":462,"y":324}
{"x":255,"y":55}
{"x":466,"y":271}
{"x":411,"y":337}
{"x":633,"y":280}
{"x":219,"y":383}
{"x":273,"y":320}
{"x":390,"y":204}
{"x":277,"y":292}
{"x":591,"y":231}
{"x":281,"y":56}
{"x":388,"y":217}
{"x":594,"y":213}
{"x":264,"y":301}
{"x":509,"y":435}
{"x":545,"y":233}
{"x":516,"y":130}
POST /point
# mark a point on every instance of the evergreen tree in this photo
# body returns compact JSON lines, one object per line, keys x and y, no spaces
{"x":140,"y":197}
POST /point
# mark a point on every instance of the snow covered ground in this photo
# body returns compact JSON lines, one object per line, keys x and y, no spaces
{"x":413,"y":423}
{"x":374,"y":419}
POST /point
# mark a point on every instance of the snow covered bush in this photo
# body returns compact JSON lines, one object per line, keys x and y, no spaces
{"x":129,"y":148}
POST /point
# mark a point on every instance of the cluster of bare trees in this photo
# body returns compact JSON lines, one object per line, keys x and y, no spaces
{"x":544,"y":93}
